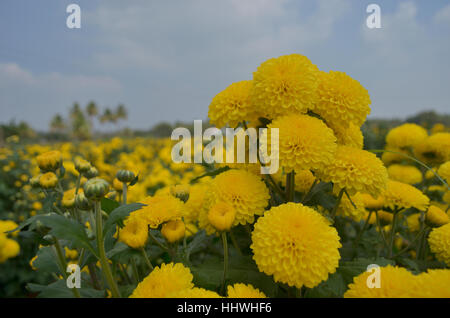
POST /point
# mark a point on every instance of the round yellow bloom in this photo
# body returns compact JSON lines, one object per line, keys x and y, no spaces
{"x":444,"y":171}
{"x":195,"y":293}
{"x":395,"y":156}
{"x":395,"y":282}
{"x":160,"y":209}
{"x":296,"y":245}
{"x":435,"y":149}
{"x":405,"y":174}
{"x":305,"y":142}
{"x":436,"y":217}
{"x":49,"y":161}
{"x":356,"y":170}
{"x":8,"y":248}
{"x":135,"y":231}
{"x":342,"y":100}
{"x":347,"y":209}
{"x":48,"y":180}
{"x":164,"y":281}
{"x":8,"y":225}
{"x":404,"y":196}
{"x":434,"y":283}
{"x":244,"y":191}
{"x":37,"y":206}
{"x":68,"y":199}
{"x":244,"y":291}
{"x":406,"y":136}
{"x":439,"y":240}
{"x":413,"y":222}
{"x":173,"y":231}
{"x":371,"y":203}
{"x":348,"y":136}
{"x":194,"y":204}
{"x":221,"y":216}
{"x":284,"y":85}
{"x":232,"y":106}
{"x":446,"y":197}
{"x":72,"y":254}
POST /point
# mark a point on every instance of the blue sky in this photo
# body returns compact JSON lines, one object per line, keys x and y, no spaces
{"x":165,"y":60}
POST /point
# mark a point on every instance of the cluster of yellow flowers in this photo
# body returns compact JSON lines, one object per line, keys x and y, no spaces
{"x":9,"y":248}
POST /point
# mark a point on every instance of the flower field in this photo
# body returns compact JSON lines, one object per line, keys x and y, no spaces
{"x":130,"y":222}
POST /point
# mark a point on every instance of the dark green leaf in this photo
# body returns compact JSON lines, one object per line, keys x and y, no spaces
{"x":109,"y":205}
{"x":119,"y":214}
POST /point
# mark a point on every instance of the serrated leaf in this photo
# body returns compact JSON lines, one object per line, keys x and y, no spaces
{"x":46,"y":260}
{"x":119,"y":214}
{"x":109,"y":205}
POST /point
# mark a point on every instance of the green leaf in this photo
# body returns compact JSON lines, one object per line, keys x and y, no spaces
{"x":109,"y":205}
{"x":134,"y":181}
{"x":46,"y":260}
{"x":59,"y":289}
{"x":119,"y":214}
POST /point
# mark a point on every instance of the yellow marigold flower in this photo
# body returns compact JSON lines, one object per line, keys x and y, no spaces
{"x":406,"y":136}
{"x":439,"y":240}
{"x":160,"y":209}
{"x":48,"y":180}
{"x":342,"y":100}
{"x":8,"y":225}
{"x":413,"y":222}
{"x":195,"y":293}
{"x":49,"y":161}
{"x":405,"y":174}
{"x":348,"y":136}
{"x":8,"y":248}
{"x":194,"y":204}
{"x":429,"y":174}
{"x":37,"y":206}
{"x":434,"y":283}
{"x":221,"y":216}
{"x":68,"y":199}
{"x":395,"y":156}
{"x":135,"y":231}
{"x":232,"y":106}
{"x":244,"y":191}
{"x":304,"y":179}
{"x":436,"y":217}
{"x":371,"y":203}
{"x":404,"y":196}
{"x":395,"y":282}
{"x":435,"y":149}
{"x":444,"y":171}
{"x":244,"y":291}
{"x":164,"y":281}
{"x":305,"y":142}
{"x":173,"y":230}
{"x":72,"y":254}
{"x":356,"y":170}
{"x":284,"y":85}
{"x":296,"y":245}
{"x":347,"y":209}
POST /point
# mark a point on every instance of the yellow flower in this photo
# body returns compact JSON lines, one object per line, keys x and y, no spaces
{"x":244,"y":291}
{"x":48,"y":180}
{"x":342,"y":100}
{"x":405,"y":174}
{"x":446,"y":197}
{"x":371,"y":203}
{"x":305,"y":142}
{"x":193,"y":205}
{"x":232,"y":106}
{"x":8,"y":225}
{"x":348,"y":136}
{"x":395,"y":282}
{"x":244,"y":191}
{"x":135,"y":231}
{"x":396,"y":156}
{"x":385,"y":217}
{"x":355,"y":170}
{"x":404,"y":196}
{"x":173,"y":231}
{"x":72,"y":254}
{"x":347,"y":209}
{"x":37,"y":206}
{"x":68,"y":199}
{"x":436,"y":217}
{"x":164,"y":281}
{"x":160,"y":209}
{"x":117,"y":185}
{"x":413,"y":222}
{"x":444,"y":171}
{"x":82,"y":165}
{"x":439,"y":240}
{"x":221,"y":216}
{"x":195,"y":293}
{"x":284,"y":85}
{"x":49,"y":161}
{"x":406,"y":136}
{"x":296,"y":245}
{"x":435,"y":149}
{"x":434,"y":283}
{"x":8,"y":248}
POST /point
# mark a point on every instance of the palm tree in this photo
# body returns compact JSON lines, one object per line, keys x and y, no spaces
{"x":57,"y":123}
{"x":106,"y":116}
{"x":91,"y":109}
{"x":121,"y":112}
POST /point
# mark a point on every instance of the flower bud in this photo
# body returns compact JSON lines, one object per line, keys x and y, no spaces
{"x":48,"y":180}
{"x":173,"y":230}
{"x":91,"y":173}
{"x":125,"y":176}
{"x":82,"y":202}
{"x":49,"y":161}
{"x":95,"y":189}
{"x":180,"y":191}
{"x":34,"y":181}
{"x":82,"y":165}
{"x":221,"y":215}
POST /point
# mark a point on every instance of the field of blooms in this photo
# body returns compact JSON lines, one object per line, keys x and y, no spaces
{"x":336,"y":220}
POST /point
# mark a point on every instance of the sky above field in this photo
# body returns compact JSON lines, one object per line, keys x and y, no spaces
{"x":165,"y":60}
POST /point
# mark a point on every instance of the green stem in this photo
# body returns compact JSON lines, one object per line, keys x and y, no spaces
{"x":366,"y":223}
{"x":77,"y":187}
{"x":165,"y":248}
{"x":124,"y":193}
{"x":381,"y":229}
{"x":63,"y":265}
{"x":225,"y":259}
{"x":276,"y":187}
{"x":144,"y":253}
{"x":93,"y":274}
{"x":411,"y":243}
{"x":338,"y":201}
{"x":290,"y":186}
{"x":102,"y":254}
{"x":307,"y":194}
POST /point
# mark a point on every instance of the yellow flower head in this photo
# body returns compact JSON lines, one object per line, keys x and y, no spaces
{"x":68,"y":199}
{"x":244,"y":291}
{"x":244,"y":191}
{"x":135,"y":231}
{"x":385,"y":217}
{"x":342,"y":100}
{"x":404,"y":196}
{"x":435,"y":149}
{"x":173,"y":231}
{"x":117,"y":185}
{"x":164,"y":281}
{"x":439,"y":240}
{"x":444,"y":171}
{"x":232,"y":106}
{"x":221,"y":216}
{"x":161,"y":208}
{"x":8,"y":225}
{"x":284,"y":85}
{"x":195,"y":293}
{"x":48,"y":180}
{"x":49,"y":161}
{"x":305,"y":142}
{"x":347,"y":209}
{"x":406,"y":136}
{"x":371,"y":203}
{"x":436,"y":217}
{"x":348,"y":136}
{"x":194,"y":204}
{"x":356,"y":170}
{"x":72,"y":254}
{"x":405,"y":174}
{"x":434,"y":283}
{"x":296,"y":245}
{"x":413,"y":222}
{"x":395,"y":282}
{"x":8,"y":248}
